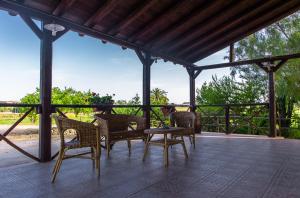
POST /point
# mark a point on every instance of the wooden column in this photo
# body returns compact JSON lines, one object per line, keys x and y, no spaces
{"x":147,"y":87}
{"x":45,"y":95}
{"x":270,"y":68}
{"x":192,"y":91}
{"x":227,"y":120}
{"x":193,"y":75}
{"x":147,"y":61}
{"x":272,"y":104}
{"x":231,"y":53}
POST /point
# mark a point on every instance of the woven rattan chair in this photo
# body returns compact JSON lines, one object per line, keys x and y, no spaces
{"x":88,"y":135}
{"x":187,"y":121}
{"x":119,"y":127}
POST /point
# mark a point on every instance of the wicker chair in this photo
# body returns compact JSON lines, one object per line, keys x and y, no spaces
{"x":88,"y":135}
{"x":116,"y":128}
{"x":187,"y":121}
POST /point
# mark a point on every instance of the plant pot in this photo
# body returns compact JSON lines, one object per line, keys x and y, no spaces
{"x":107,"y":110}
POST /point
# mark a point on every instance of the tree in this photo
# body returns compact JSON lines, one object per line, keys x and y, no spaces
{"x":136,"y":100}
{"x":59,"y":96}
{"x":218,"y":91}
{"x":158,"y":97}
{"x":32,"y":98}
{"x":280,"y":38}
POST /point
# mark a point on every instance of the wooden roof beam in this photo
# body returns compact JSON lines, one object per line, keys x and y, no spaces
{"x":101,"y":12}
{"x":44,"y":16}
{"x":282,"y":60}
{"x":62,"y":7}
{"x":148,"y":27}
{"x":191,"y":38}
{"x":168,"y":34}
{"x":236,"y":34}
{"x":136,"y":13}
{"x":256,"y":10}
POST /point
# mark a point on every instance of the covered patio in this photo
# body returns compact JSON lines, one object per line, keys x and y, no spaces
{"x":183,"y":32}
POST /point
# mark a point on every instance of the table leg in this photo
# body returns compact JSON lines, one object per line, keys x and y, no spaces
{"x":146,"y":146}
{"x":166,"y":157}
{"x":184,"y":148}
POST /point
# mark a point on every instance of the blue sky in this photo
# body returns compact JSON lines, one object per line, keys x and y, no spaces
{"x":85,"y":63}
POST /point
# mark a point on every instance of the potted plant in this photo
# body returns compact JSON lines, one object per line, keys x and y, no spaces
{"x":167,"y":110}
{"x":96,"y":99}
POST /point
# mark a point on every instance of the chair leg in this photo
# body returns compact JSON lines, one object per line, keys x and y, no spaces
{"x":166,"y":151}
{"x":97,"y":159}
{"x":129,"y":146}
{"x":107,"y":146}
{"x":184,"y":148}
{"x":93,"y":156}
{"x":194,"y":140}
{"x":58,"y":164}
{"x":190,"y":138}
{"x":146,"y":147}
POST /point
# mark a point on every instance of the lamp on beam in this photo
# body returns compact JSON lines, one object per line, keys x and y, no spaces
{"x":54,"y":28}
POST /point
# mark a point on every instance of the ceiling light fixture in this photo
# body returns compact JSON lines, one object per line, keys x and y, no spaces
{"x":54,"y":28}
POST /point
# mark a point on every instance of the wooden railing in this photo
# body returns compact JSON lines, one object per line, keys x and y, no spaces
{"x":228,"y":118}
{"x":30,"y":108}
{"x":235,"y":118}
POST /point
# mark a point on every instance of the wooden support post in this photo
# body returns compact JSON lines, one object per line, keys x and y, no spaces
{"x":192,"y":91}
{"x":272,"y":104}
{"x":227,"y":120}
{"x":193,"y":75}
{"x":147,"y":62}
{"x":231,"y":53}
{"x":147,"y":88}
{"x":45,"y":95}
{"x":270,"y":68}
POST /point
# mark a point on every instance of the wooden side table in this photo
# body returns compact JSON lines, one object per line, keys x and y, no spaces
{"x":165,"y":142}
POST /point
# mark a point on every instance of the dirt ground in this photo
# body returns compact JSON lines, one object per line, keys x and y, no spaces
{"x":27,"y":138}
{"x":21,"y":129}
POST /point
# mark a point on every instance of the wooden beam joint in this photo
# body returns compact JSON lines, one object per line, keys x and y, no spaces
{"x":38,"y":32}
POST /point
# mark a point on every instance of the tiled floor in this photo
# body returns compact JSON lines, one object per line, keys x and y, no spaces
{"x":220,"y":166}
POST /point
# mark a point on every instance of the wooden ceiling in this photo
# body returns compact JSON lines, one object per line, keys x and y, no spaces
{"x":182,"y":31}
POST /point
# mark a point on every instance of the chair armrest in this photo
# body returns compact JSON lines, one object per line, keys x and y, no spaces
{"x":102,"y":125}
{"x":140,"y":121}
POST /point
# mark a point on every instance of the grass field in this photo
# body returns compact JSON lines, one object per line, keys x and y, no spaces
{"x":7,"y":118}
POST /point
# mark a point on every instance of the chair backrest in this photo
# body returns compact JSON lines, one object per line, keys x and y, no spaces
{"x":183,"y":119}
{"x":115,"y":122}
{"x":85,"y":132}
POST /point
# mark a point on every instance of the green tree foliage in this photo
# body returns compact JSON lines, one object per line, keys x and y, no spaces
{"x":158,"y":97}
{"x":249,"y":84}
{"x":59,"y":96}
{"x":218,"y":91}
{"x":136,"y":100}
{"x":32,"y":98}
{"x":280,"y":38}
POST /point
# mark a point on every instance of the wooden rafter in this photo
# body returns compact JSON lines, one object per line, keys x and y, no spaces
{"x":238,"y":20}
{"x":204,"y":25}
{"x":102,"y":11}
{"x":157,"y":20}
{"x":236,"y":33}
{"x":140,"y":9}
{"x":171,"y":32}
{"x":62,"y":7}
{"x":216,"y":25}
